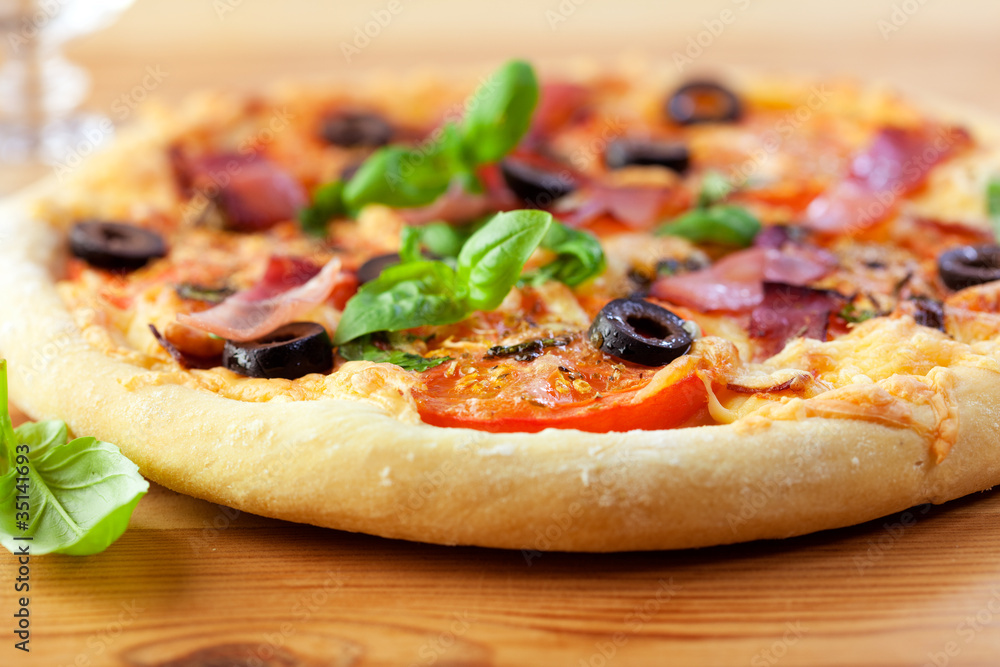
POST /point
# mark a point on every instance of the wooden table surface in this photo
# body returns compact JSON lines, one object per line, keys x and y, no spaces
{"x":193,"y":584}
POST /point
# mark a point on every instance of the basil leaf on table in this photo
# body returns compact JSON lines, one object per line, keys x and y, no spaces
{"x":80,"y":494}
{"x":417,"y":293}
{"x":729,"y":225}
{"x":363,"y":349}
{"x":579,"y":257}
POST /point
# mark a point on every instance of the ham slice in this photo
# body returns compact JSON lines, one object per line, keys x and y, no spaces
{"x":253,"y":192}
{"x":736,"y":282}
{"x":260,"y":196}
{"x":895,"y":163}
{"x":639,"y":207}
{"x":289,"y":288}
{"x":773,"y":236}
{"x":457,"y":205}
{"x":558,"y":105}
{"x":790,"y":311}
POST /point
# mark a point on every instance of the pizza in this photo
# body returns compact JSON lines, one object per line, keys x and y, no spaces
{"x":602,"y":310}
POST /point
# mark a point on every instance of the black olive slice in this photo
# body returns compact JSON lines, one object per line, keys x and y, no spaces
{"x":288,"y":352}
{"x":703,"y":102}
{"x":969,"y":265}
{"x":374,"y":267}
{"x":627,"y":152}
{"x":355,"y":128}
{"x":347,"y":173}
{"x":535,"y":185}
{"x":115,"y":245}
{"x":640,"y":332}
{"x":928,"y":312}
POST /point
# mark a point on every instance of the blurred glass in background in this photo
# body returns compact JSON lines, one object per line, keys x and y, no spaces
{"x":41,"y":91}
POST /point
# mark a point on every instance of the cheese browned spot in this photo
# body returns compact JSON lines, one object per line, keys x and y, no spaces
{"x":887,"y":371}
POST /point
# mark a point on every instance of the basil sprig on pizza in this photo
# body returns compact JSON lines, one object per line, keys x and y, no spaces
{"x":495,"y":119}
{"x":419,"y":292}
{"x":701,"y":285}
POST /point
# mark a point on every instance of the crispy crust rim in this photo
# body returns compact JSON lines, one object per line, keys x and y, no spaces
{"x":352,"y":466}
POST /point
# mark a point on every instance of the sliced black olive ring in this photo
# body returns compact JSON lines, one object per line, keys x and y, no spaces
{"x":115,"y":245}
{"x":535,"y":186}
{"x":374,"y":267}
{"x":969,"y":265}
{"x":350,"y":129}
{"x":288,"y":352}
{"x":703,"y":102}
{"x":639,"y":332}
{"x":628,"y":152}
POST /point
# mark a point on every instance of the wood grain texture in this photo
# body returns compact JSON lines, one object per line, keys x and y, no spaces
{"x":196,"y":585}
{"x":192,"y":584}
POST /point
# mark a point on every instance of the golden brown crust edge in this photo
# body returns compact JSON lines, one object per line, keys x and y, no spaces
{"x":350,"y":466}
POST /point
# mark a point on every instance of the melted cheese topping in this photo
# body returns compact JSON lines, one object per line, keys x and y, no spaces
{"x":886,"y":370}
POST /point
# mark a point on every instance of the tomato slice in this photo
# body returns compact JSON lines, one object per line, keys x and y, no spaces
{"x":668,"y":408}
{"x":562,"y":390}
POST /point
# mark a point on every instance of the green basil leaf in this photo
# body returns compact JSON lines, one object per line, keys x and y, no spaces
{"x":715,"y":187}
{"x":409,"y":245}
{"x":445,"y":240}
{"x":993,"y":204}
{"x":491,"y":260}
{"x":854,"y":315}
{"x":8,"y":441}
{"x":417,"y":293}
{"x":728,"y":225}
{"x":80,"y":493}
{"x":405,"y":177}
{"x":579,"y":257}
{"x":404,"y":296}
{"x":499,"y":113}
{"x":362,"y":348}
{"x":328,"y":203}
{"x":202,"y":293}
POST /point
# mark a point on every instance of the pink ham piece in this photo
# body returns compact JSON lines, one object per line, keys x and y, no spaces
{"x":457,"y":205}
{"x":290,"y":287}
{"x":637,"y":207}
{"x":736,"y":282}
{"x":791,"y":311}
{"x":558,"y":105}
{"x":895,"y":163}
{"x":253,"y":192}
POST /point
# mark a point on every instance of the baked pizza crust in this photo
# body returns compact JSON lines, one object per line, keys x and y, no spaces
{"x":370,"y":466}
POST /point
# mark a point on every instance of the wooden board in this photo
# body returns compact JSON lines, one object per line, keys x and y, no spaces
{"x":192,"y":584}
{"x":196,"y":585}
